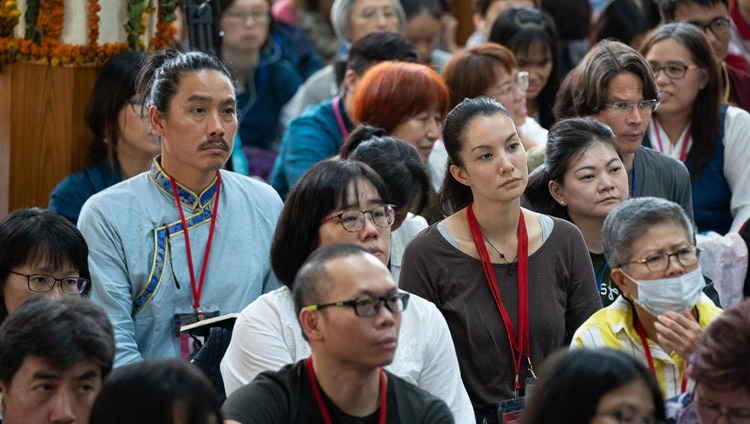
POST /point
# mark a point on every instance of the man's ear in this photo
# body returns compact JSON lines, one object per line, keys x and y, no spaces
{"x":310,"y":321}
{"x":460,"y":175}
{"x":156,"y":120}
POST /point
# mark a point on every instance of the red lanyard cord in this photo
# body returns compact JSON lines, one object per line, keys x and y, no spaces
{"x":198,"y":288}
{"x":685,"y":141}
{"x":649,"y":358}
{"x":322,"y":406}
{"x":519,"y":346}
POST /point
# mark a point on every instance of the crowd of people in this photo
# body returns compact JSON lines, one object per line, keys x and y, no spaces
{"x":345,"y":217}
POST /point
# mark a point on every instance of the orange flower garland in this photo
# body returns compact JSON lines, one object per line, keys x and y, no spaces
{"x":50,"y":20}
{"x":165,"y":31}
{"x":50,"y":23}
{"x":93,"y":22}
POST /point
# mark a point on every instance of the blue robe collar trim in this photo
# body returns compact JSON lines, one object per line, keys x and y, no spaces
{"x":187,"y":197}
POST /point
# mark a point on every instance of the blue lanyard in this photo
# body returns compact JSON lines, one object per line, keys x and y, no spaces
{"x":632,"y":194}
{"x":600,"y":280}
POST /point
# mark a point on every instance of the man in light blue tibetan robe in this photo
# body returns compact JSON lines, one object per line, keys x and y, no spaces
{"x":147,"y":273}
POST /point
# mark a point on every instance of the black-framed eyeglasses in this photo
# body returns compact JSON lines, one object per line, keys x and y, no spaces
{"x":353,"y":220}
{"x":672,"y":70}
{"x":42,"y":283}
{"x":718,"y":26}
{"x":368,"y":306}
{"x":629,"y":415}
{"x":713,"y":411}
{"x":687,"y":256}
{"x":626,"y":108}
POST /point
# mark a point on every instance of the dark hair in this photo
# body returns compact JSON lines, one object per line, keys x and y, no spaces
{"x":162,"y":73}
{"x":573,"y":382}
{"x":471,"y":72}
{"x":705,"y":116}
{"x":572,"y":17}
{"x":152,"y":391}
{"x":320,"y":191}
{"x":567,"y":141}
{"x":589,"y":89}
{"x":414,"y":8}
{"x":397,"y":162}
{"x":482,"y":6}
{"x":30,"y":235}
{"x":564,"y":100}
{"x":63,"y":331}
{"x":313,"y":281}
{"x":668,"y":7}
{"x":522,"y":28}
{"x":454,"y":195}
{"x":720,"y":359}
{"x":114,"y":87}
{"x":378,"y":47}
{"x":625,"y":19}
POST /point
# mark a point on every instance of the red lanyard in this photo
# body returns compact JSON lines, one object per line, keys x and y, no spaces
{"x":198,"y":289}
{"x":685,"y":140}
{"x":322,"y":406}
{"x":519,"y":346}
{"x":649,"y":358}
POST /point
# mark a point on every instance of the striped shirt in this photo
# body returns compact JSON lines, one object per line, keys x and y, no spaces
{"x":614,"y":327}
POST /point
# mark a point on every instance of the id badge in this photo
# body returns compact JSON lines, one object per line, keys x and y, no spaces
{"x":509,"y":411}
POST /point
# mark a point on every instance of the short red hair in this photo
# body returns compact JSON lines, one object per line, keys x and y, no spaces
{"x":391,"y":93}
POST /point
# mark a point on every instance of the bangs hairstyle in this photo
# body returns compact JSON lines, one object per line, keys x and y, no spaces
{"x":705,"y":116}
{"x":321,"y":191}
{"x":39,"y":236}
{"x":471,"y":73}
{"x":522,"y":29}
{"x":391,"y":93}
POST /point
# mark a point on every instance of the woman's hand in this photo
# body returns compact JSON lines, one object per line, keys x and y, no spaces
{"x":678,"y":333}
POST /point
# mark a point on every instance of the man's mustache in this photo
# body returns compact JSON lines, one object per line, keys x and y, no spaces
{"x":214,"y":142}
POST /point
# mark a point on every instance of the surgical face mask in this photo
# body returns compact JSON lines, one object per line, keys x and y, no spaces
{"x":670,"y":294}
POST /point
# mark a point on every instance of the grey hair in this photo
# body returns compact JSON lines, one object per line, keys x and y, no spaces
{"x":629,"y":221}
{"x":341,"y":18}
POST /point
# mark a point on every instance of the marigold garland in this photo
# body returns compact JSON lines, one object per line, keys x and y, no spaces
{"x":93,"y":22}
{"x":44,"y":25}
{"x":50,"y":20}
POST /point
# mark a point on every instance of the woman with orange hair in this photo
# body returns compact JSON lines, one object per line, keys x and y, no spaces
{"x":409,"y":101}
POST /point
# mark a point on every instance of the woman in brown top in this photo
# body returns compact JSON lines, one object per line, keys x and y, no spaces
{"x":512,"y":284}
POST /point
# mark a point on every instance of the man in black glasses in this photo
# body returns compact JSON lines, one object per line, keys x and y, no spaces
{"x":712,"y":16}
{"x":349,"y":309}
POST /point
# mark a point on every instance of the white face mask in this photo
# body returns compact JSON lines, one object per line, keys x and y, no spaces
{"x":670,"y":294}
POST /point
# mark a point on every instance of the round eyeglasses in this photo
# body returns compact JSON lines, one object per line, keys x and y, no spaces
{"x":41,"y":283}
{"x":353,"y":220}
{"x":686,"y":257}
{"x":627,"y":414}
{"x":521,"y":81}
{"x":369,"y":306}
{"x":713,"y":411}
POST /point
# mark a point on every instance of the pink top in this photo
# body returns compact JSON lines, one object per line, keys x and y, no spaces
{"x":283,"y":11}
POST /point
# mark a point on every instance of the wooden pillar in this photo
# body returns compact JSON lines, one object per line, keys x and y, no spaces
{"x":43,"y":136}
{"x":464,"y":11}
